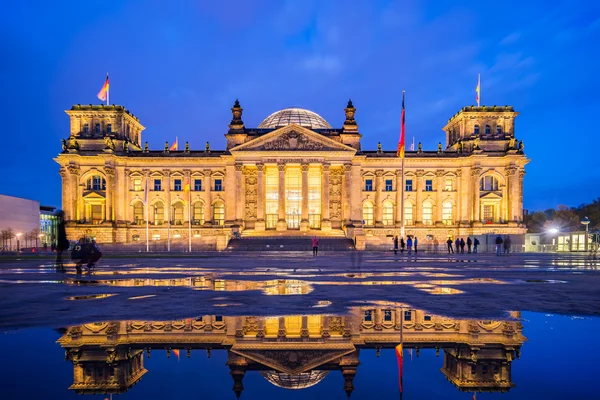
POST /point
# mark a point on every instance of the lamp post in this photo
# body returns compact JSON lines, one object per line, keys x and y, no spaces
{"x":18,"y":245}
{"x":586,"y":221}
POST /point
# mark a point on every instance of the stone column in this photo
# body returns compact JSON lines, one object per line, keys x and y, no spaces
{"x":418,"y":216}
{"x":187,"y":196}
{"x":439,"y":196}
{"x":355,"y":195}
{"x":378,"y":202}
{"x":475,"y":172}
{"x":399,"y":183}
{"x":281,"y":224}
{"x":229,"y":194}
{"x":123,"y":211}
{"x":459,"y":214}
{"x":207,"y":197}
{"x":304,"y":330}
{"x":239,"y":193}
{"x":110,"y":184}
{"x":519,"y":198}
{"x":346,"y":202}
{"x":260,"y":201}
{"x":325,"y":221}
{"x":304,"y":225}
{"x":74,"y":193}
{"x":146,"y":183}
{"x":66,"y":203}
{"x":167,"y":188}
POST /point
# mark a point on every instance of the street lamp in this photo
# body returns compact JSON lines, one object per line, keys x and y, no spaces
{"x":18,"y":236}
{"x":586,"y":221}
{"x":553,"y":231}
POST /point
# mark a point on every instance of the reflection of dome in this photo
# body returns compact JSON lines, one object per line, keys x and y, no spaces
{"x":295,"y":381}
{"x":298,"y":116}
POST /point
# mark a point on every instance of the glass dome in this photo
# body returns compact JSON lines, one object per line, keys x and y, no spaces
{"x":302,"y":380}
{"x":298,"y":116}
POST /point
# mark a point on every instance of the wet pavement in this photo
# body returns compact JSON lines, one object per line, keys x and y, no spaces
{"x":225,"y":325}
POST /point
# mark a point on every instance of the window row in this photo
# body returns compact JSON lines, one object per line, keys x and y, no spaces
{"x":369,"y":316}
{"x":178,"y":186}
{"x":488,"y":130}
{"x":388,"y":213}
{"x":409,"y":186}
{"x":156,"y":213}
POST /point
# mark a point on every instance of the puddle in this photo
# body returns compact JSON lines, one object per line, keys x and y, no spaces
{"x":91,"y":296}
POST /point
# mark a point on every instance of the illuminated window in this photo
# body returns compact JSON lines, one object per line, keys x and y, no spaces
{"x":219,"y":213}
{"x":138,"y":212}
{"x":96,"y":183}
{"x":218,"y":185}
{"x":387,"y":315}
{"x":476,"y":130}
{"x":488,"y":183}
{"x":408,"y":214}
{"x":271,"y":197}
{"x":96,"y":213}
{"x":86,"y":128}
{"x":137,"y":184}
{"x":177,"y":185}
{"x":428,"y":185}
{"x":427,"y":212}
{"x":447,"y":213}
{"x":198,"y":213}
{"x":388,"y":185}
{"x":368,"y":213}
{"x":448,"y":187}
{"x":388,"y":213}
{"x":409,"y":185}
{"x":159,"y":213}
{"x":293,"y":197}
{"x":198,"y":185}
{"x":157,"y":185}
{"x":488,"y":213}
{"x":368,"y":316}
{"x":408,"y":315}
{"x":178,"y":213}
{"x":499,"y":130}
{"x":314,"y":197}
{"x":368,"y":185}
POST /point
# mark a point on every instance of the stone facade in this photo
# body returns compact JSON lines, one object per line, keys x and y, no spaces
{"x":294,"y":174}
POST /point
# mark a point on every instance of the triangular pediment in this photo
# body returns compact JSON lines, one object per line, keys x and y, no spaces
{"x":491,"y":196}
{"x":292,"y":138}
{"x":293,"y":361}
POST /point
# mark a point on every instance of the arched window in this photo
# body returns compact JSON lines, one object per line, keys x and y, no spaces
{"x":86,"y":128}
{"x":159,"y":213}
{"x":488,"y":183}
{"x":98,"y":129}
{"x":488,"y":130}
{"x":408,"y":214}
{"x":138,"y":212}
{"x":427,"y":212}
{"x":198,"y":213}
{"x":447,"y":212}
{"x":499,"y":130}
{"x":109,"y":128}
{"x":178,"y":213}
{"x":476,"y":130}
{"x":219,"y":213}
{"x":368,"y":213}
{"x":96,"y":182}
{"x":388,"y":213}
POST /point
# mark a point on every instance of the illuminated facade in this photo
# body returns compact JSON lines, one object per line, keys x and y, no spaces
{"x":295,"y":352}
{"x":292,"y":173}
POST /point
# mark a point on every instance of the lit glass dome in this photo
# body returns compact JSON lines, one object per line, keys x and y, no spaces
{"x":298,"y":116}
{"x":302,"y":380}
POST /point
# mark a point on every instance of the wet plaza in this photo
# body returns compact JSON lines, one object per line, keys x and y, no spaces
{"x":221,"y":326}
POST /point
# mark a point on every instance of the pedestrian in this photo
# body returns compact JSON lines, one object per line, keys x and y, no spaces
{"x":469,"y":243}
{"x":315,"y":245}
{"x":396,"y":244}
{"x":449,"y":241}
{"x":462,"y":245}
{"x":457,"y":245}
{"x":409,"y":244}
{"x":416,"y":243}
{"x":475,"y":245}
{"x":402,"y":245}
{"x":94,"y":255}
{"x":499,"y":245}
{"x":507,"y":243}
{"x":62,"y":242}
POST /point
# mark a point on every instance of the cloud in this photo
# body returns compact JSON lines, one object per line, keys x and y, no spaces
{"x":510,"y":39}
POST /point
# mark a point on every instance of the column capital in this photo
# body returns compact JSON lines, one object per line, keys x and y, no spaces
{"x":475,"y":171}
{"x":420,"y":173}
{"x":238,"y":167}
{"x":167,"y":172}
{"x":458,"y":172}
{"x":73,"y":169}
{"x":347,"y":167}
{"x":379,"y":173}
{"x":521,"y":173}
{"x":439,"y":173}
{"x":281,"y":167}
{"x":304,"y":167}
{"x":109,"y":171}
{"x":187,"y":173}
{"x":510,"y":171}
{"x":146,"y":172}
{"x":62,"y":172}
{"x":326,"y":167}
{"x":260,"y":167}
{"x":398,"y":173}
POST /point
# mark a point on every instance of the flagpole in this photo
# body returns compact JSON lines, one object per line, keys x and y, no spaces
{"x":107,"y":90}
{"x":169,"y":230}
{"x":402,"y":184}
{"x":190,"y":215}
{"x":147,"y":216}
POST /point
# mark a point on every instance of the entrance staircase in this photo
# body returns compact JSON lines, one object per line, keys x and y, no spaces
{"x":290,"y":241}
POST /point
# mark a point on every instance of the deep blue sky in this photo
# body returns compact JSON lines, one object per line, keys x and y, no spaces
{"x":180,"y":65}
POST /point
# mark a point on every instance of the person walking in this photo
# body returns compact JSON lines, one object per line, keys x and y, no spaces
{"x":457,"y":245}
{"x":62,"y":242}
{"x":396,"y":244}
{"x":499,"y":245}
{"x":469,"y":243}
{"x":462,"y":246}
{"x":475,"y":245}
{"x":507,"y":243}
{"x":409,"y":244}
{"x":315,"y":245}
{"x":450,"y":250}
{"x":402,"y":244}
{"x":416,"y":243}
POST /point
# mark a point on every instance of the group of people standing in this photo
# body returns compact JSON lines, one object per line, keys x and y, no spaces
{"x":411,"y":242}
{"x":460,"y":243}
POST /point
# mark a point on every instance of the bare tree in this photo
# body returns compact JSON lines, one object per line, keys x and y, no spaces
{"x":10,"y":235}
{"x":35,"y":236}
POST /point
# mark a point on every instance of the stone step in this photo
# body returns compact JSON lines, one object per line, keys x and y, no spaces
{"x":289,"y":244}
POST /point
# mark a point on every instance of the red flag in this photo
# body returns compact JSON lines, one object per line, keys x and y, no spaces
{"x":103,"y":94}
{"x":175,"y":144}
{"x":399,"y":357}
{"x":400,"y":152}
{"x":176,"y":352}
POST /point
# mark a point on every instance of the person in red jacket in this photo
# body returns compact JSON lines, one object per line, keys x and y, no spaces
{"x":315,"y":245}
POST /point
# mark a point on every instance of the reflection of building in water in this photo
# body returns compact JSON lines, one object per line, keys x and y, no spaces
{"x":296,"y":352}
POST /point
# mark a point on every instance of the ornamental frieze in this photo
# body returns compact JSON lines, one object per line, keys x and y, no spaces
{"x":292,"y":141}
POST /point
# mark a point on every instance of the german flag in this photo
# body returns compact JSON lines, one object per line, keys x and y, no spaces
{"x":103,"y":94}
